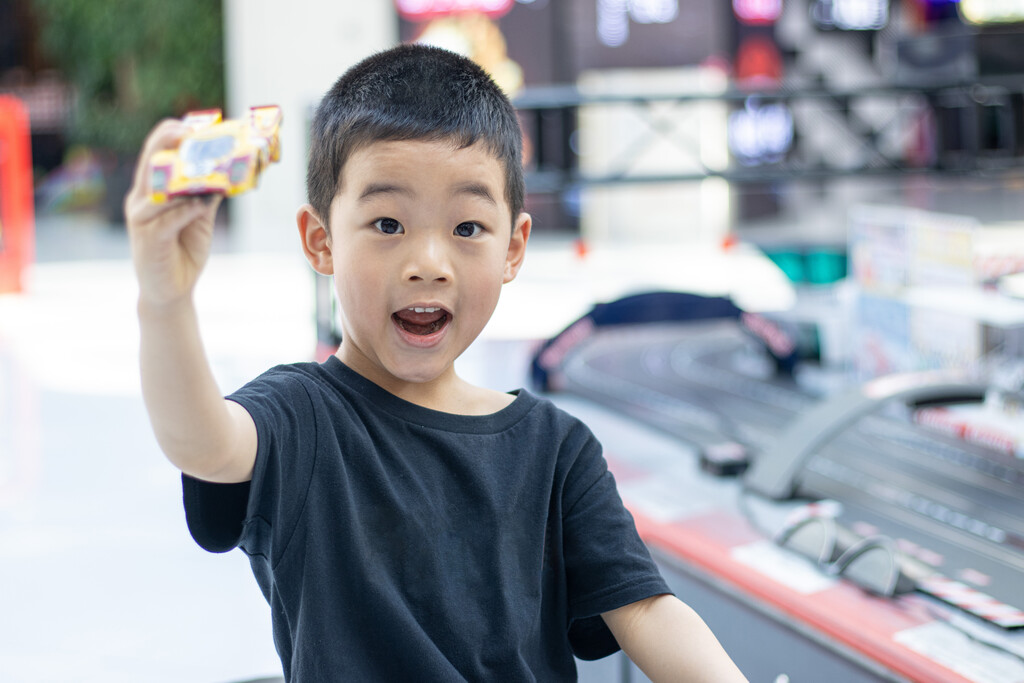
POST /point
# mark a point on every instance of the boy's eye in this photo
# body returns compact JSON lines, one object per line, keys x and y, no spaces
{"x":388,"y":226}
{"x":468,"y":229}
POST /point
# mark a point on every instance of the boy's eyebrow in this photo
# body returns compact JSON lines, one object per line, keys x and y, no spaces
{"x":382,"y":188}
{"x":472,"y":188}
{"x":475,"y":189}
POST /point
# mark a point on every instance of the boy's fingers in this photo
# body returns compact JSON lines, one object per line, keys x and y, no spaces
{"x":140,"y":209}
{"x":161,"y":221}
{"x":166,"y":135}
{"x":213,"y":201}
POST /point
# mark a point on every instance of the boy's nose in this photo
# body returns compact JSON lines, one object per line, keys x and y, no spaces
{"x":428,"y":260}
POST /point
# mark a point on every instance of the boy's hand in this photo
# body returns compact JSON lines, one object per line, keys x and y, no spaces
{"x":170,"y":241}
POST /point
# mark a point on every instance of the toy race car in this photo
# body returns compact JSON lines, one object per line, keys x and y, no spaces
{"x":218,"y":157}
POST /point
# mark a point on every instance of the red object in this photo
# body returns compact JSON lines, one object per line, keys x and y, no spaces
{"x":842,"y":613}
{"x":758,"y":62}
{"x":17,"y":219}
{"x":720,"y":545}
{"x":423,"y":10}
{"x":581,"y":248}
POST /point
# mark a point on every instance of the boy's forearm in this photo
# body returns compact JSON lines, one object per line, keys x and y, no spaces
{"x":193,"y":423}
{"x":670,"y":642}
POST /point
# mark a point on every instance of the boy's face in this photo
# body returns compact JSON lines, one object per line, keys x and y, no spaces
{"x":421,"y":242}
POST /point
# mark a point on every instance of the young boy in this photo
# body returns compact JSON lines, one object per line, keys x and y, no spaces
{"x":402,"y":523}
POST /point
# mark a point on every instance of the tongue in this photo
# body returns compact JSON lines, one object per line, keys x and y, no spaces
{"x":420,"y":323}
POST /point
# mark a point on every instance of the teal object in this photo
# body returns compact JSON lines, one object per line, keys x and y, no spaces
{"x":791,"y":263}
{"x":811,"y":266}
{"x":825,"y":266}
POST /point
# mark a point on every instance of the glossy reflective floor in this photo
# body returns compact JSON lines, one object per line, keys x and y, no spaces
{"x":99,"y":580}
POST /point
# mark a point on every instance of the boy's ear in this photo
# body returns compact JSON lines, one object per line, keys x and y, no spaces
{"x":517,"y":246}
{"x":316,"y":241}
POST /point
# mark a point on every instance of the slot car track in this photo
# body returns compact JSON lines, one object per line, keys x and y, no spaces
{"x":953,"y":507}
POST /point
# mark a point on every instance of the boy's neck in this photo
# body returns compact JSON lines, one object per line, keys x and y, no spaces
{"x":447,"y":393}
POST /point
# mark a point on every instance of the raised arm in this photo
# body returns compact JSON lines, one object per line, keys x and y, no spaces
{"x":203,"y":434}
{"x":670,"y":642}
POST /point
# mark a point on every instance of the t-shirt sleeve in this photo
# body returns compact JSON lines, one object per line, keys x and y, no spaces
{"x":263,"y":511}
{"x":215,"y":513}
{"x":607,"y":564}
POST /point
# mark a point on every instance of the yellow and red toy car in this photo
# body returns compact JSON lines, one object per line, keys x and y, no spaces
{"x":218,"y":157}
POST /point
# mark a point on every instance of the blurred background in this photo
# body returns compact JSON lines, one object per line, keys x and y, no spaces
{"x":853,"y":167}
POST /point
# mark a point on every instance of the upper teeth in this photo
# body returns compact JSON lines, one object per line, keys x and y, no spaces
{"x":417,"y":309}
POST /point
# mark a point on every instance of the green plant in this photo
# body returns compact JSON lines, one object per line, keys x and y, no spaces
{"x":133,"y":62}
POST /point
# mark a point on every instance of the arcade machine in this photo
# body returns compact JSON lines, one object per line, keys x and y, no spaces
{"x":823,"y":536}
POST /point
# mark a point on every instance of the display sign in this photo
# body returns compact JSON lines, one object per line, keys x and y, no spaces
{"x":626,"y":34}
{"x":554,"y":41}
{"x":851,"y":15}
{"x":614,"y":17}
{"x":992,"y":11}
{"x":421,"y":10}
{"x":760,"y":133}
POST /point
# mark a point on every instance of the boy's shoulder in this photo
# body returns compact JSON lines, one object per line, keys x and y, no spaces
{"x":286,"y":377}
{"x":333,"y":380}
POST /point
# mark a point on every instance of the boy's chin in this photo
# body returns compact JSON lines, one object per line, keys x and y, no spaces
{"x":421,"y":374}
{"x":410,"y":368}
{"x":406,"y":369}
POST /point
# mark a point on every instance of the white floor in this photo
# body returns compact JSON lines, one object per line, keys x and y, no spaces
{"x":99,"y":579}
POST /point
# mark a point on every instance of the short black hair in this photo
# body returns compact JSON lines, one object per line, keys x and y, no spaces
{"x":412,"y":92}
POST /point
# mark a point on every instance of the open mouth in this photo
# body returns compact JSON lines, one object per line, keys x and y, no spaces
{"x":421,"y":321}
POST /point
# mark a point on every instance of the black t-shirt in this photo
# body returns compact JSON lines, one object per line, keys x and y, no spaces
{"x":394,"y":542}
